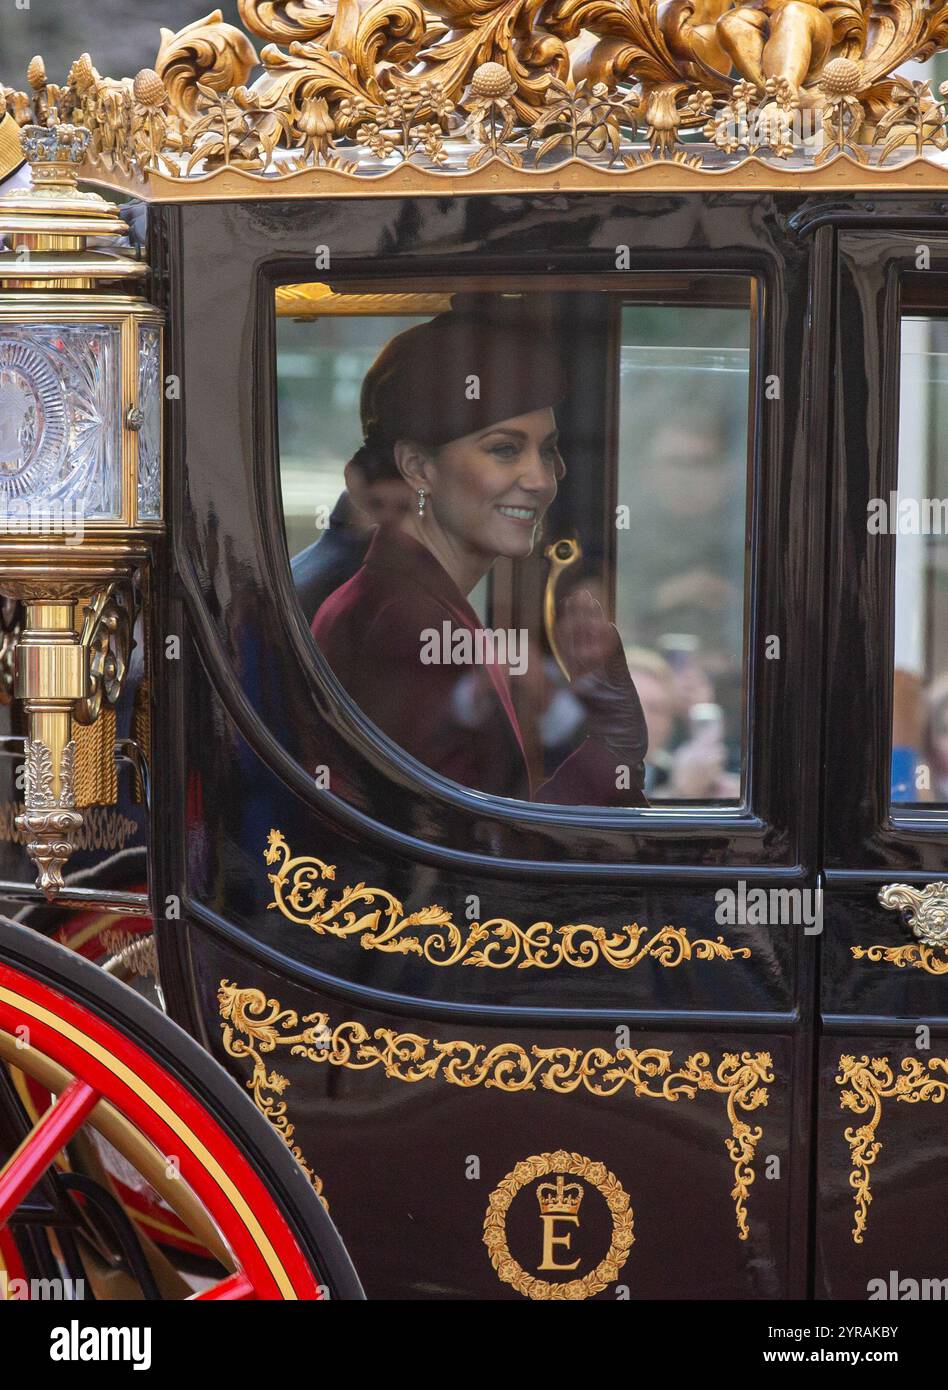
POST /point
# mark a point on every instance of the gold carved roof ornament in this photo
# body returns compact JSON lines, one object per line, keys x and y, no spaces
{"x":400,"y":96}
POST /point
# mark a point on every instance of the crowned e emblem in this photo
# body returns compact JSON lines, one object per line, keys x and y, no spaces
{"x":559,"y":1205}
{"x":566,"y":1179}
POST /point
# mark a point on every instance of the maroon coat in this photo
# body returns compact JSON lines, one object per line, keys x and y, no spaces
{"x":370,"y":631}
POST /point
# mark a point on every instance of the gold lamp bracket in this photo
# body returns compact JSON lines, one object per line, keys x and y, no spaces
{"x":62,"y":676}
{"x":107,"y":640}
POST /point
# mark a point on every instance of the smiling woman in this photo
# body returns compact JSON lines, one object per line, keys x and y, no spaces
{"x":462,"y":409}
{"x":442,"y":622}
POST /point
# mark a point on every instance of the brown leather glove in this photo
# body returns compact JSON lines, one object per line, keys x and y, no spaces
{"x":600,"y":678}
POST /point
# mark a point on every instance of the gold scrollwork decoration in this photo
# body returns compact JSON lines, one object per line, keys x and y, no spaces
{"x":925,"y":910}
{"x":107,"y":636}
{"x":260,"y":1020}
{"x":872,"y":1082}
{"x":284,"y":21}
{"x":300,"y":893}
{"x":931,"y":959}
{"x":130,"y":953}
{"x":253,"y":1025}
{"x":510,"y":1271}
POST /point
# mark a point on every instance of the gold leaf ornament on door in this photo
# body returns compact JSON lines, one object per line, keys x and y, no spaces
{"x":377,"y":919}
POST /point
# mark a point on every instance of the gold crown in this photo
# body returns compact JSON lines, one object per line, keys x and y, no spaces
{"x":556,"y":1199}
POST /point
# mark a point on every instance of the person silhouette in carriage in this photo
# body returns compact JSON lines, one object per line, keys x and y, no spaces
{"x":463,"y":408}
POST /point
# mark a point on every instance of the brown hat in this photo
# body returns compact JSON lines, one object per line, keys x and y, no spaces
{"x":487,"y":359}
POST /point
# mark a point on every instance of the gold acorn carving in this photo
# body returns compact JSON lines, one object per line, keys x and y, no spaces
{"x":841,"y":77}
{"x":491,"y":81}
{"x":36,"y":73}
{"x":82,"y":73}
{"x":148,"y":89}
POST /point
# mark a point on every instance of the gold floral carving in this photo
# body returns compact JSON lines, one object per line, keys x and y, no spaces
{"x":300,"y":893}
{"x":206,"y":52}
{"x":510,"y":1271}
{"x":253,"y":1026}
{"x":872,"y":1082}
{"x":49,"y":821}
{"x":348,"y":85}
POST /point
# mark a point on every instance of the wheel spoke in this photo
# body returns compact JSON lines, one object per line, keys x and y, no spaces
{"x":51,"y":1134}
{"x":234,"y":1287}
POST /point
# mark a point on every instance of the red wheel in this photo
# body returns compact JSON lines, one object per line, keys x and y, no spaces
{"x":117,"y":1064}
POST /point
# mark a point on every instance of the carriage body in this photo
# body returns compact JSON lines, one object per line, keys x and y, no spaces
{"x":525,"y":1049}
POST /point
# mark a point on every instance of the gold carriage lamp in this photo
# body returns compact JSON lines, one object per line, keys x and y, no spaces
{"x":80,"y":467}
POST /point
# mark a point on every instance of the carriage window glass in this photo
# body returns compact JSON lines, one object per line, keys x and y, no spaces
{"x":917,"y":516}
{"x":681,"y":521}
{"x":517,"y":526}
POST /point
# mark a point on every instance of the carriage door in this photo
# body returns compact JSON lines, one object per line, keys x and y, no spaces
{"x":553,"y":1045}
{"x":884,"y":1050}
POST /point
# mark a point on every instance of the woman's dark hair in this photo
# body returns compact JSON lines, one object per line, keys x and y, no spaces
{"x":375,"y":463}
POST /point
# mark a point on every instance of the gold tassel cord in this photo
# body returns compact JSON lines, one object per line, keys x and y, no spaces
{"x":96,"y":775}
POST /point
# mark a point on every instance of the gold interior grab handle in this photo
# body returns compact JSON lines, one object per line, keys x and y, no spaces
{"x":561,"y":554}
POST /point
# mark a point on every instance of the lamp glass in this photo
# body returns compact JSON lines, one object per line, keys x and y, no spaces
{"x":149,"y":438}
{"x":60,"y":418}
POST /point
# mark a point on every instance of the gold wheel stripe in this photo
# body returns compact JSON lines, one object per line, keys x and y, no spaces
{"x":163,"y":1226}
{"x":129,"y":1140}
{"x":171,"y":1119}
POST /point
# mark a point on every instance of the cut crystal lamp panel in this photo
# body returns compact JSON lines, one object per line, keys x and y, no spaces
{"x":149,"y":436}
{"x":60,"y":413}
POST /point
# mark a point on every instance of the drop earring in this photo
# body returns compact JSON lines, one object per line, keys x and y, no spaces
{"x":422,"y":498}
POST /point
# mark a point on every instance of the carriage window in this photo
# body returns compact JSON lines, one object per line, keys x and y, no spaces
{"x":517,"y":524}
{"x":917,"y":515}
